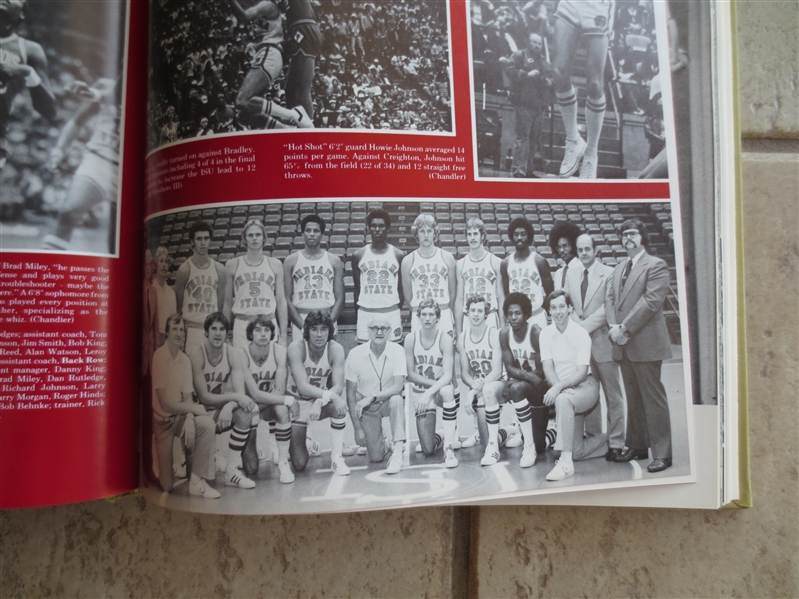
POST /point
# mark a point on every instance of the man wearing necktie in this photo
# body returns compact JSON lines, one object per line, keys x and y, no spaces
{"x":634,"y":310}
{"x":587,"y":283}
{"x":562,"y":242}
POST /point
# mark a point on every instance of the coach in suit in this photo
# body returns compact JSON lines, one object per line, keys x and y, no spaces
{"x":586,"y":285}
{"x":634,"y":310}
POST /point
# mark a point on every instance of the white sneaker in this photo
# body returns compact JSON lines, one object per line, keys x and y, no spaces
{"x":456,"y":442}
{"x":286,"y":475}
{"x":491,"y":455}
{"x":450,"y":461}
{"x":514,"y":436}
{"x":339,"y":466}
{"x":348,"y":451}
{"x":303,"y":120}
{"x":528,"y":456}
{"x":588,"y":169}
{"x":571,"y":157}
{"x":203,"y":490}
{"x":469,"y":441}
{"x":313,"y":447}
{"x":394,"y":463}
{"x":561,"y":470}
{"x":236,"y":478}
{"x":361,"y":450}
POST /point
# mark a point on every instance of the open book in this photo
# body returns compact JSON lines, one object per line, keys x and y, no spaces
{"x":283,"y":257}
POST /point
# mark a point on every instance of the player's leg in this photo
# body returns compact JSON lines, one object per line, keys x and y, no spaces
{"x":338,"y":422}
{"x":84,"y":193}
{"x":494,"y":393}
{"x":595,"y":103}
{"x":239,"y":433}
{"x":566,"y":38}
{"x":426,"y":429}
{"x":449,"y":407}
{"x":202,"y":465}
{"x":394,"y":408}
{"x":523,"y":396}
{"x":298,"y":82}
{"x":298,"y":448}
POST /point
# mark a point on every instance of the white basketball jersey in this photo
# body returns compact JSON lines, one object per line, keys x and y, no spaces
{"x":318,"y":373}
{"x":217,"y":377}
{"x":429,"y":362}
{"x":199,"y":296}
{"x":523,"y":352}
{"x":313,"y":283}
{"x":429,"y":278}
{"x":523,"y":277}
{"x":379,"y":279}
{"x":254,"y":288}
{"x":480,"y":354}
{"x":479,"y":278}
{"x":263,"y":373}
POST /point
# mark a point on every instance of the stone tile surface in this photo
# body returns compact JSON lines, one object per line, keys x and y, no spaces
{"x":768,"y":68}
{"x":133,"y":549}
{"x":599,"y":552}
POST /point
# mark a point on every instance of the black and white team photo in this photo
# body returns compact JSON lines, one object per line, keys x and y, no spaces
{"x":567,"y":89}
{"x":255,"y":65}
{"x":320,"y":356}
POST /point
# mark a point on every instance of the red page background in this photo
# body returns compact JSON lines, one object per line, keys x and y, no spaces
{"x":69,"y":455}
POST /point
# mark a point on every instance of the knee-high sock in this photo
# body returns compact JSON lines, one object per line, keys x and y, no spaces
{"x":594,"y":117}
{"x":567,"y":101}
{"x":283,"y":438}
{"x":492,"y":420}
{"x":450,"y":419}
{"x":525,"y":412}
{"x":337,"y":436}
{"x":238,"y":438}
{"x":540,"y":419}
{"x":502,"y":437}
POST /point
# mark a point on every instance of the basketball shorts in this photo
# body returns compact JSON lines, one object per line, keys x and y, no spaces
{"x":590,"y":17}
{"x":269,"y":60}
{"x":305,"y":38}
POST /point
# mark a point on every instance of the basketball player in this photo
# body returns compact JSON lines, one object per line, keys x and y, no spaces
{"x":199,"y":284}
{"x":525,"y":386}
{"x":314,"y":277}
{"x":266,"y":369}
{"x":219,"y":385}
{"x":304,"y":47}
{"x":478,"y":273}
{"x":429,"y":272}
{"x":378,"y":278}
{"x":254,"y":285}
{"x":266,"y":66}
{"x":526,"y":271}
{"x":591,"y":20}
{"x":23,"y":64}
{"x":563,"y":243}
{"x":316,"y":363}
{"x":429,"y":355}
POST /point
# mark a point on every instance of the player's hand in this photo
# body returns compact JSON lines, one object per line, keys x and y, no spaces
{"x":226,"y":415}
{"x":339,"y":405}
{"x":15,"y":71}
{"x":55,"y":158}
{"x":360,"y":437}
{"x":294,"y":411}
{"x":189,"y":432}
{"x":551,"y":395}
{"x":361,"y":405}
{"x":534,"y":73}
{"x":478,"y":385}
{"x":316,"y":410}
{"x":246,"y":404}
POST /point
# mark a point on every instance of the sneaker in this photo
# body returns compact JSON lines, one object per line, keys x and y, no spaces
{"x":348,"y":451}
{"x":491,"y":455}
{"x":469,"y":441}
{"x":514,"y":440}
{"x":52,"y":242}
{"x":236,"y":478}
{"x":561,"y":470}
{"x":313,"y":447}
{"x":456,"y":443}
{"x":528,"y":456}
{"x":575,"y":149}
{"x":203,"y":490}
{"x":339,"y":466}
{"x":360,"y":450}
{"x":394,"y":463}
{"x":588,"y":169}
{"x":179,"y":471}
{"x":303,"y":120}
{"x":450,"y":461}
{"x":286,"y":475}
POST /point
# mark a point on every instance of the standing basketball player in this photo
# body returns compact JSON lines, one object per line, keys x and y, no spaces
{"x":593,"y":21}
{"x":314,"y":277}
{"x":526,"y":271}
{"x":199,"y":284}
{"x":219,"y":385}
{"x":254,"y":285}
{"x":266,"y":66}
{"x":316,"y":362}
{"x":23,"y":63}
{"x":304,"y":47}
{"x":430,"y":364}
{"x":378,"y":278}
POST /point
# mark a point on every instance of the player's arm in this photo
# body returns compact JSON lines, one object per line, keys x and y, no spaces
{"x":288,"y":268}
{"x":227,"y":274}
{"x":181,"y":280}
{"x":338,"y":287}
{"x":460,"y":295}
{"x":262,"y":9}
{"x":499,"y":286}
{"x":70,"y":132}
{"x":356,"y":274}
{"x":201,"y":388}
{"x":513,"y":371}
{"x":280,"y":298}
{"x":405,"y":276}
{"x":546,"y":274}
{"x":277,"y":396}
{"x":37,"y":82}
{"x":401,"y":279}
{"x":466,"y":370}
{"x":452,"y":282}
{"x":337,"y":390}
{"x":410,"y":364}
{"x":503,"y":274}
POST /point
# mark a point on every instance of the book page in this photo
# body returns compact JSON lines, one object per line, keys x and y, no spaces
{"x":413,"y":253}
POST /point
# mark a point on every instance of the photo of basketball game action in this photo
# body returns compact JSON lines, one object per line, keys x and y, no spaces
{"x":61,"y":88}
{"x":327,"y":356}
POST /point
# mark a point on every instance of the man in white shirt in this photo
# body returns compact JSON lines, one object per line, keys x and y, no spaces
{"x":566,"y":358}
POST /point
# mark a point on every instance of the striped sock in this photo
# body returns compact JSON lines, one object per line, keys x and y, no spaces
{"x":492,"y":419}
{"x":525,"y":413}
{"x":450,"y":419}
{"x":337,"y":436}
{"x":238,"y":438}
{"x":283,"y":439}
{"x":594,"y":117}
{"x":567,"y":101}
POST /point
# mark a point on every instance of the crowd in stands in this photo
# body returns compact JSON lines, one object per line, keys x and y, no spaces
{"x":384,"y":65}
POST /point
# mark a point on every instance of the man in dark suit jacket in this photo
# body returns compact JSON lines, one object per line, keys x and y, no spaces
{"x":634,"y":310}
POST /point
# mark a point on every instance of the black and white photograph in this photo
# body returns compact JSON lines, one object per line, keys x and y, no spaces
{"x":333,"y":356}
{"x":568,"y":90}
{"x":258,"y":65}
{"x":61,"y":89}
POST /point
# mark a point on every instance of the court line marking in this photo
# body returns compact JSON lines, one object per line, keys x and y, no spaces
{"x":637,"y":472}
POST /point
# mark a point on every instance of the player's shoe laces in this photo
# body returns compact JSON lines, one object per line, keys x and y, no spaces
{"x":339,"y":466}
{"x":394,"y":463}
{"x":561,"y":470}
{"x":574,"y":151}
{"x":51,"y":242}
{"x":203,"y":489}
{"x":450,"y":461}
{"x":491,"y":455}
{"x":469,"y":441}
{"x":588,"y":168}
{"x":528,"y":456}
{"x":313,"y":447}
{"x":286,"y":475}
{"x":303,"y":120}
{"x":236,"y":478}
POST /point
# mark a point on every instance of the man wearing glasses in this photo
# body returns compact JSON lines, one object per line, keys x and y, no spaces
{"x":377,"y":278}
{"x":634,"y":310}
{"x":375,"y":374}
